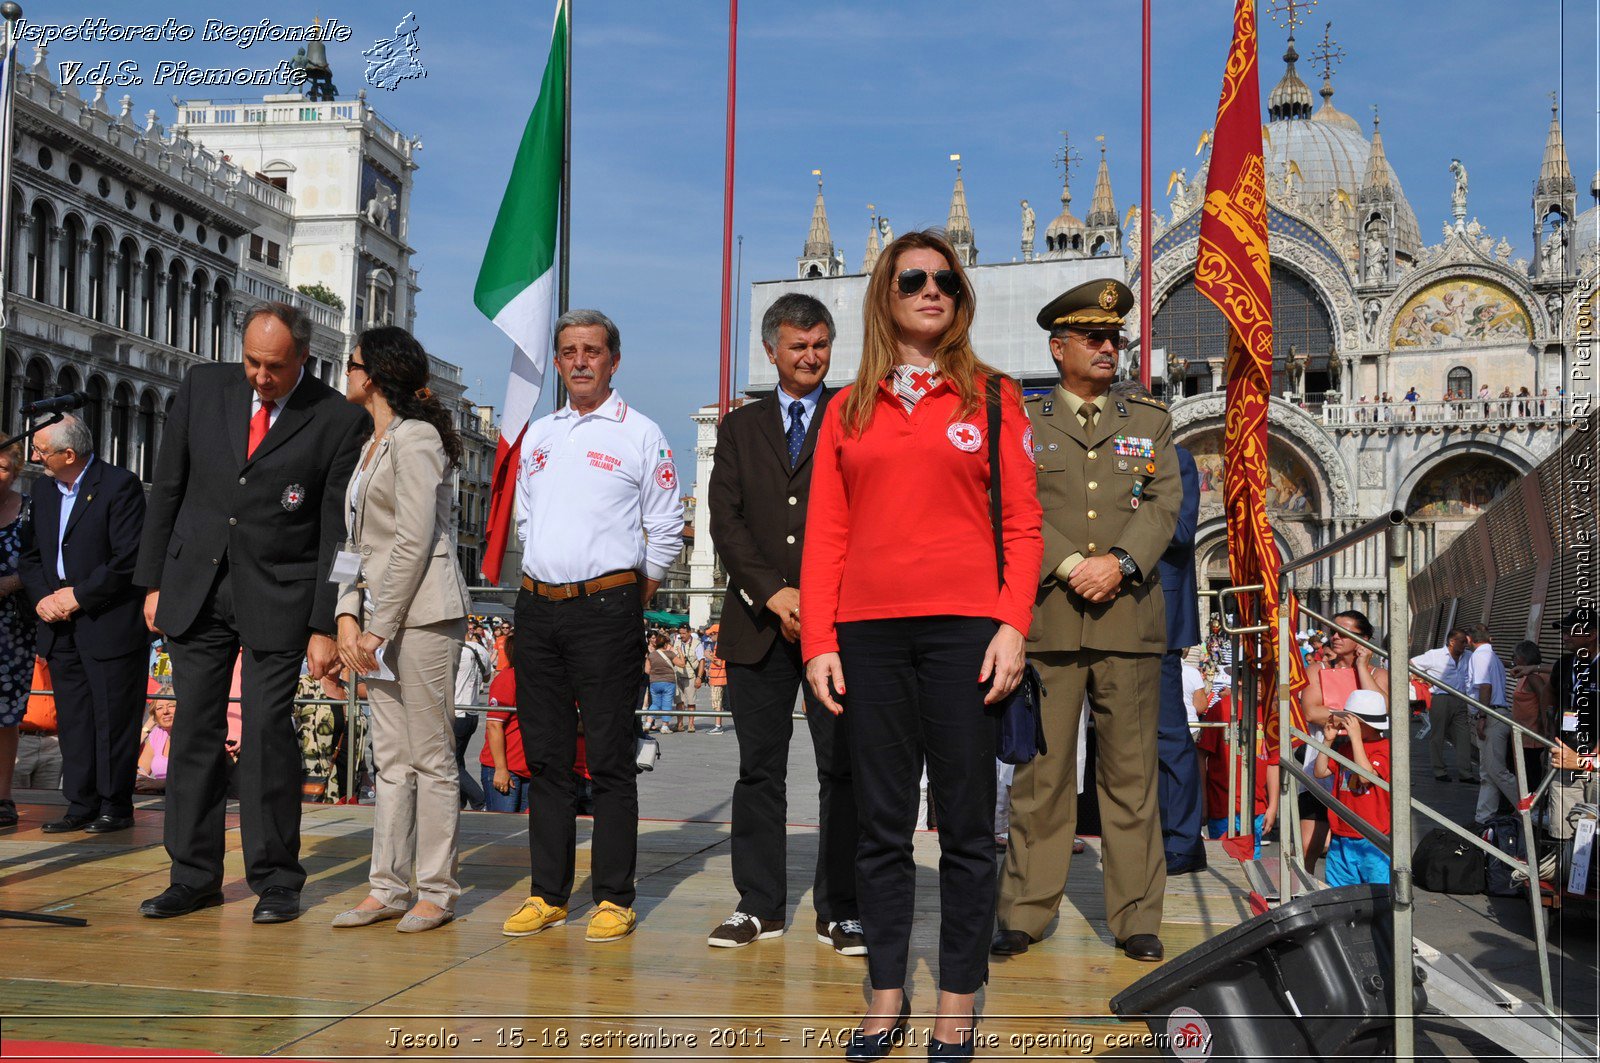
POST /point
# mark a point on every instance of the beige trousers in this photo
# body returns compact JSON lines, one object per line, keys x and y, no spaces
{"x":413,"y":744}
{"x":1124,"y":691}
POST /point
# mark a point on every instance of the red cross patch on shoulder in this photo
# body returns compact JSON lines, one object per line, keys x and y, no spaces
{"x":666,"y":476}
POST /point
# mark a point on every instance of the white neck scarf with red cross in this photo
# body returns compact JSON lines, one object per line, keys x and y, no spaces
{"x":912,"y":382}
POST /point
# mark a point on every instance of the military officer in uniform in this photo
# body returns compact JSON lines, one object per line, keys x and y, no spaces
{"x":1108,"y":481}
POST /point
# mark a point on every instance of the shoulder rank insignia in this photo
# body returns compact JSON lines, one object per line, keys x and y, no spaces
{"x":1148,"y":400}
{"x":1049,"y":404}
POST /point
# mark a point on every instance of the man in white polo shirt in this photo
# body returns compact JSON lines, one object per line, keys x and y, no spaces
{"x":600,"y":519}
{"x":1486,"y":681}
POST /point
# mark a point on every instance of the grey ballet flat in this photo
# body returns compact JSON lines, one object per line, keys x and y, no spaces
{"x":366,"y":917}
{"x":416,"y":924}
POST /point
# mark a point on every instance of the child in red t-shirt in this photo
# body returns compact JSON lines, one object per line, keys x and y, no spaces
{"x":1361,"y":730}
{"x":504,"y":765}
{"x":1213,"y":748}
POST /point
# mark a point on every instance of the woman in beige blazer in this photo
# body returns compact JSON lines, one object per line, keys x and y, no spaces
{"x":402,"y":598}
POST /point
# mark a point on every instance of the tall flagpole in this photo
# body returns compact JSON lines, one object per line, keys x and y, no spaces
{"x":8,"y":87}
{"x":725,"y":369}
{"x":1145,"y":338}
{"x":564,"y":241}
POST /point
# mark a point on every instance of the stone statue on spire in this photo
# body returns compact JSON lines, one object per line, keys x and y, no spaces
{"x":1028,"y":222}
{"x":1458,"y":196}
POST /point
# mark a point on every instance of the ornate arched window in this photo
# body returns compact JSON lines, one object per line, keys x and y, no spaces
{"x":1459,"y":381}
{"x":1191,"y":328}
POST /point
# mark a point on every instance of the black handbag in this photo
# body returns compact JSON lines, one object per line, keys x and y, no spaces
{"x":1019,"y":722}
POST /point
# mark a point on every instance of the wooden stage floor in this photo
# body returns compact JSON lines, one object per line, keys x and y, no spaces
{"x":216,"y":982}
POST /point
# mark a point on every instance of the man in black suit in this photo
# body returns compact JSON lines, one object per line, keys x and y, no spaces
{"x":760,"y":484}
{"x":77,"y":565}
{"x":246,"y":515}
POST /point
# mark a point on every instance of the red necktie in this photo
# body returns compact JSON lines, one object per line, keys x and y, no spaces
{"x":259,"y":425}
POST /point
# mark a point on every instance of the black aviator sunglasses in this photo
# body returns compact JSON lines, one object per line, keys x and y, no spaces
{"x":912,"y":281}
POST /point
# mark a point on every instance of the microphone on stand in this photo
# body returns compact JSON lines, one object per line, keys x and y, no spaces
{"x":72,"y":400}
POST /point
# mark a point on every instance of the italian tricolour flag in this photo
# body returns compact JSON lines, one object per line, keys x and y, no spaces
{"x":517,"y":282}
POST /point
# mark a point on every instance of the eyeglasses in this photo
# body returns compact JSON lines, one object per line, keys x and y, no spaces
{"x":353,"y":364}
{"x":43,"y":453}
{"x":912,"y":281}
{"x":1099,"y":338}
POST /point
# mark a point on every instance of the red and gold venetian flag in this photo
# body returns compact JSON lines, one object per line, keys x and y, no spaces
{"x":1234,"y":272}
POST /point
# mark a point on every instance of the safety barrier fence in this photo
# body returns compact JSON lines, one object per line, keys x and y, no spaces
{"x":1397,"y":844}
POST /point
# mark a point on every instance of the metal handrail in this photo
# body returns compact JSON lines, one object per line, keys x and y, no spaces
{"x":1378,"y":525}
{"x":1401,"y":801}
{"x":1411,"y":669}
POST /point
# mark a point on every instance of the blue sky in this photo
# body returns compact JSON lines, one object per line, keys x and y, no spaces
{"x":876,"y":95}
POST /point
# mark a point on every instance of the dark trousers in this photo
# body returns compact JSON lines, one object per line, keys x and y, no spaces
{"x":580,"y":655}
{"x":1451,"y":724}
{"x":762,"y":697}
{"x":99,"y":708}
{"x":912,"y":694}
{"x":465,"y":727}
{"x":1178,"y":788}
{"x":269,"y":770}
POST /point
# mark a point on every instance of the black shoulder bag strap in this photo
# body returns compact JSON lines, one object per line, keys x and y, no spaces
{"x":992,"y":400}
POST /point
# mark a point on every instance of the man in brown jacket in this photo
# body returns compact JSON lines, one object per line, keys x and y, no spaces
{"x":1108,"y":480}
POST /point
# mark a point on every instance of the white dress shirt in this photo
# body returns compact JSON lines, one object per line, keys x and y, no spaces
{"x":69,"y":498}
{"x":1485,"y":669}
{"x":808,"y":408}
{"x":597,"y":493}
{"x":278,"y":404}
{"x":1450,"y":672}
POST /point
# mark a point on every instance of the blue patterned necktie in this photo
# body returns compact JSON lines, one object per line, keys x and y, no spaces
{"x":797,"y":431}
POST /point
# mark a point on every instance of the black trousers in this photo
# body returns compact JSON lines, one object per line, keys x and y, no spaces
{"x":762,"y":697}
{"x":580,"y":655}
{"x":912,"y":694}
{"x":269,"y":770}
{"x":99,"y":709}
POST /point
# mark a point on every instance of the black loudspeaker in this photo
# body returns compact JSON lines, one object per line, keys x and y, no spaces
{"x":1307,"y":980}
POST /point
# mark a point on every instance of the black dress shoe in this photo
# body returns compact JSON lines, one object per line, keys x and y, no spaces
{"x":1145,"y":947}
{"x":1010,"y":943}
{"x":278,"y":904}
{"x":1186,"y":865}
{"x":109,"y":824}
{"x":179,"y":900}
{"x":864,"y":1048}
{"x":67,"y":824}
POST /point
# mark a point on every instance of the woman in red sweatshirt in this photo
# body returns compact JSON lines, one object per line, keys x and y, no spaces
{"x":905,"y":626}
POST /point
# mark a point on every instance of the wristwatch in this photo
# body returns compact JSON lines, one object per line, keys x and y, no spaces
{"x":1129,"y":567}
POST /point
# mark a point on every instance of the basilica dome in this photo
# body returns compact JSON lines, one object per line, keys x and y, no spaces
{"x":1586,"y":232}
{"x":1318,"y":160}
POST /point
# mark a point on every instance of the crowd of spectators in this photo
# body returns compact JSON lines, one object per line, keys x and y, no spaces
{"x":1456,"y":404}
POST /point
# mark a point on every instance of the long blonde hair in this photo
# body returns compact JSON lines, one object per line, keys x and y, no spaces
{"x":880,"y":341}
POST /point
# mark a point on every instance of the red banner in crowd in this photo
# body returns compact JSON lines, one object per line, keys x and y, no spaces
{"x":1234,"y":271}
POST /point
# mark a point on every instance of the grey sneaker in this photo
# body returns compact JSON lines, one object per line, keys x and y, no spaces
{"x":741,"y":928}
{"x":717,"y":730}
{"x":845,"y":936}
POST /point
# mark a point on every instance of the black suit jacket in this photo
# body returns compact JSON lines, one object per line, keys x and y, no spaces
{"x":277,"y":516}
{"x":758,"y":520}
{"x":98,"y":552}
{"x":1178,"y":580}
